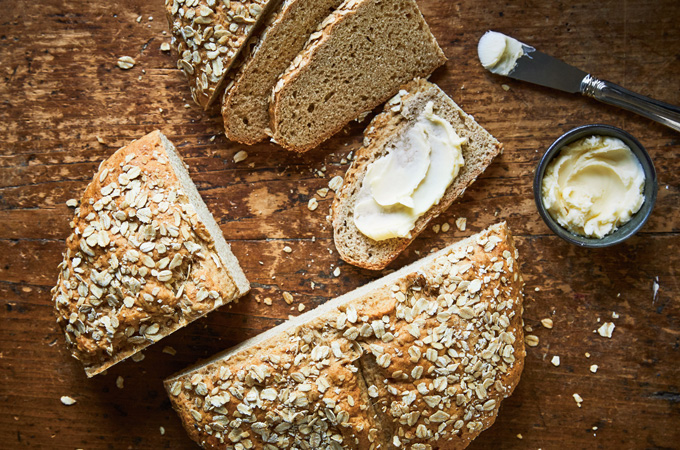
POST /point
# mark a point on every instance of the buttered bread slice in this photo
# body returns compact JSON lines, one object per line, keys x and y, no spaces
{"x":419,"y":359}
{"x":245,"y":106}
{"x":419,"y":155}
{"x":357,"y":60}
{"x":145,"y":257}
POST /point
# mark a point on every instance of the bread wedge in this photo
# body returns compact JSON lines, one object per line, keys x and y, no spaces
{"x":421,"y":358}
{"x":208,"y":36}
{"x":357,"y":60}
{"x":245,"y":106}
{"x":145,"y":257}
{"x":401,"y":113}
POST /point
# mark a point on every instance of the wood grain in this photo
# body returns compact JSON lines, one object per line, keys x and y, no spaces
{"x":60,"y":89}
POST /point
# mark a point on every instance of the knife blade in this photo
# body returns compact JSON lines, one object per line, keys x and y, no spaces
{"x":538,"y":68}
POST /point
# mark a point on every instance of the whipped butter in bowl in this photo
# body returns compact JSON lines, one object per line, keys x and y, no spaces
{"x":595,"y":186}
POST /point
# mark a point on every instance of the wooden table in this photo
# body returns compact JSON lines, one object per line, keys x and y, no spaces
{"x":60,"y":91}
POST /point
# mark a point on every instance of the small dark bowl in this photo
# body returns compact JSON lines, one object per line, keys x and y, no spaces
{"x":624,"y":231}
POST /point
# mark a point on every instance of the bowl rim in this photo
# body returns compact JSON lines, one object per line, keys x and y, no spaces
{"x":626,"y":230}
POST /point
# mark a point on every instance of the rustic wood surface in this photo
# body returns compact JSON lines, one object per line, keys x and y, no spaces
{"x":60,"y":89}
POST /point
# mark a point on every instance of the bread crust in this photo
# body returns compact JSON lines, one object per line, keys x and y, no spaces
{"x":309,"y":56}
{"x":383,"y":129}
{"x":208,"y":37}
{"x":141,"y":262}
{"x":422,"y":358}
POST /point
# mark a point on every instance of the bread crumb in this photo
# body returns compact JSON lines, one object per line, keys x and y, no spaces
{"x":615,"y":315}
{"x":169,"y":350}
{"x":138,"y":357}
{"x":594,"y":368}
{"x":165,"y":47}
{"x":436,"y":228}
{"x":268,"y":301}
{"x":288,"y":297}
{"x":240,"y":156}
{"x":139,"y":19}
{"x":101,"y":141}
{"x":578,"y":400}
{"x":323,"y":192}
{"x":547,"y":323}
{"x":445,"y":227}
{"x":528,"y":328}
{"x":301,"y":307}
{"x":126,"y":62}
{"x":655,"y":288}
{"x":555,"y":361}
{"x":587,"y":355}
{"x":120,"y":382}
{"x":335,"y":183}
{"x":287,"y":249}
{"x":519,"y":436}
{"x":606,"y":329}
{"x":68,"y":401}
{"x":461,"y":223}
{"x":336,"y":272}
{"x":72,"y":203}
{"x":531,"y":340}
{"x":312,"y":204}
{"x":162,"y":430}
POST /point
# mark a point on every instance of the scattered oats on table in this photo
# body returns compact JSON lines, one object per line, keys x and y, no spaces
{"x":138,"y":357}
{"x":169,"y":350}
{"x":288,"y":297}
{"x":268,"y":301}
{"x":445,"y":227}
{"x":241,"y":155}
{"x":68,"y":401}
{"x":287,"y":249}
{"x":165,"y":47}
{"x":606,"y":329}
{"x":323,"y":192}
{"x":594,"y":368}
{"x":336,"y":272}
{"x":547,"y":323}
{"x":555,"y":361}
{"x":531,"y":340}
{"x":461,"y":223}
{"x":312,"y":204}
{"x":120,"y":382}
{"x":335,"y":183}
{"x":72,"y":203}
{"x":436,"y":228}
{"x":162,"y":430}
{"x":126,"y":62}
{"x":301,"y":307}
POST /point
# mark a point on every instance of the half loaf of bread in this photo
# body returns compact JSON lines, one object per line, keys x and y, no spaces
{"x":208,"y":36}
{"x":245,"y":106}
{"x":400,"y":113}
{"x":357,"y":60}
{"x":419,"y":359}
{"x":145,"y":257}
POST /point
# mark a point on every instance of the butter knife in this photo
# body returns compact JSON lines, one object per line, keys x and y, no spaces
{"x":538,"y":68}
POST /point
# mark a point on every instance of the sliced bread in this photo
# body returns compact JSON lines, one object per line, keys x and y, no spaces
{"x":145,"y":257}
{"x":208,"y":36}
{"x":245,"y":106}
{"x":399,"y":115}
{"x":421,"y":358}
{"x":357,"y":60}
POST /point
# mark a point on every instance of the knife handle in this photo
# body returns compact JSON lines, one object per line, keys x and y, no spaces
{"x":614,"y":94}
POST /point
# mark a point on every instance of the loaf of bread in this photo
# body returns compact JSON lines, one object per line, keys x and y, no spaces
{"x":357,"y":60}
{"x":208,"y":36}
{"x":419,"y":359}
{"x":245,"y":106}
{"x":401,"y":113}
{"x":145,"y":257}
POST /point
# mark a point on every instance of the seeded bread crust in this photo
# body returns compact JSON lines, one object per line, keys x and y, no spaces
{"x":145,"y":257}
{"x":245,"y":106}
{"x":208,"y":36}
{"x":419,"y":359}
{"x":399,"y":114}
{"x":357,"y":60}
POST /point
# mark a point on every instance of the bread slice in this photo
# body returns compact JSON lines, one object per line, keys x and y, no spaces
{"x":357,"y":60}
{"x":145,"y":257}
{"x":422,"y":356}
{"x":399,"y":115}
{"x":245,"y":106}
{"x":208,"y":36}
